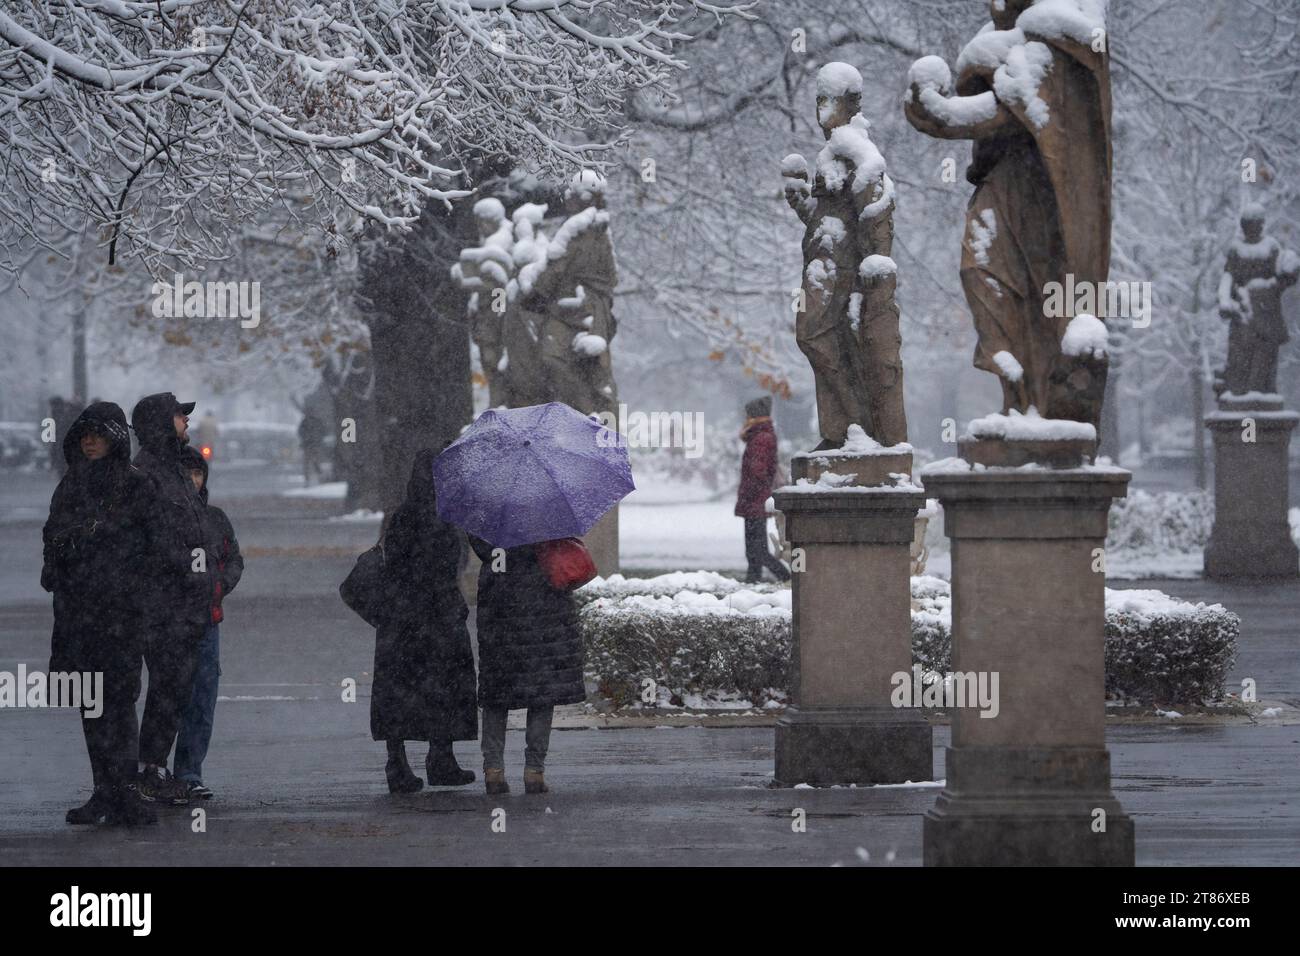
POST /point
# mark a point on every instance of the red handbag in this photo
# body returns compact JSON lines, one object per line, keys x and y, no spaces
{"x":566,"y":562}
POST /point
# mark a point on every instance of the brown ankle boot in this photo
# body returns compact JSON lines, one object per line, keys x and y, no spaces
{"x":495,"y":781}
{"x":535,"y":782}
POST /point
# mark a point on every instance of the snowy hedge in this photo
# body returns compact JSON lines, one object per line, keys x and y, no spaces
{"x":705,"y":640}
{"x":1162,"y":649}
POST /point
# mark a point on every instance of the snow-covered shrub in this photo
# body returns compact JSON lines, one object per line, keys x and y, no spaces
{"x":1165,"y":650}
{"x":734,"y":639}
{"x":666,"y":585}
{"x":1160,"y":523}
{"x":690,"y":643}
{"x":931,"y":624}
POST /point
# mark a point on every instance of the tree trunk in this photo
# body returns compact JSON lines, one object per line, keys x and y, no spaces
{"x":419,"y":341}
{"x":1198,"y":424}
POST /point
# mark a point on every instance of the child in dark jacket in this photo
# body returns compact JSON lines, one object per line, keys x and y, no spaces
{"x":227,"y":565}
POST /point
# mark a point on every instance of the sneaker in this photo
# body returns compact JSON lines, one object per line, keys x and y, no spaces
{"x":197,"y":790}
{"x":159,"y":786}
{"x":128,"y":808}
{"x":92,"y":811}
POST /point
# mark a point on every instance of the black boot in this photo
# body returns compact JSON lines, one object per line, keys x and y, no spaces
{"x":441,"y":768}
{"x":92,"y":811}
{"x":401,"y":778}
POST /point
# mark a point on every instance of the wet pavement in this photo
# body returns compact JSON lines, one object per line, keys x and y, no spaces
{"x":298,"y":779}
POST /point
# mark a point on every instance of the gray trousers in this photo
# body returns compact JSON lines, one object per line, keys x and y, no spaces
{"x":537,"y":737}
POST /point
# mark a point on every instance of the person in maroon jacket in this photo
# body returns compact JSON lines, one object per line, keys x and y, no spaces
{"x":757,"y":469}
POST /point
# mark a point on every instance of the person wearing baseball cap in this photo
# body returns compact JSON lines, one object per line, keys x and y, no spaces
{"x":177,"y":595}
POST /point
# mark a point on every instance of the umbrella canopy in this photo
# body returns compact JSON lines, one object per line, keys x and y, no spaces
{"x":522,"y":475}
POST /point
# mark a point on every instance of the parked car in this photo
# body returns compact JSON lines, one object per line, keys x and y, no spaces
{"x":21,"y":445}
{"x":256,"y":441}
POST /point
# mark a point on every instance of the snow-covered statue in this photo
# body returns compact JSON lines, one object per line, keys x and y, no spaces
{"x":847,"y":322}
{"x":485,"y":271}
{"x":1033,"y":96}
{"x":574,"y":292}
{"x":1258,"y":271}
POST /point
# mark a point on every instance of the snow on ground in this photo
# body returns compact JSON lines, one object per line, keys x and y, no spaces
{"x":690,"y":535}
{"x":330,"y":490}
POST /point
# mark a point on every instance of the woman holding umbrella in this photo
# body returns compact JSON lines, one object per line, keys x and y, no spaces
{"x":524,"y":482}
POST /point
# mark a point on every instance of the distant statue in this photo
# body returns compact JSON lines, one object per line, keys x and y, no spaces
{"x":484,"y":271}
{"x":847,"y":322}
{"x":1033,"y":95}
{"x":1258,"y":271}
{"x":574,"y":293}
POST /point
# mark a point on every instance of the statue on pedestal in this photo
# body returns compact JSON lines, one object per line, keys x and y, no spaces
{"x":1257,"y":272}
{"x":847,"y":322}
{"x":1033,"y":96}
{"x":573,"y":292}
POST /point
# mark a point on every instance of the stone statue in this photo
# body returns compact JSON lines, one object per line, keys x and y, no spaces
{"x":574,"y":294}
{"x":1258,"y":271}
{"x":485,"y":272}
{"x":847,"y":322}
{"x":1033,"y":96}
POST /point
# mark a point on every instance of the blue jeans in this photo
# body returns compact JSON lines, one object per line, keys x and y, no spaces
{"x":197,"y":714}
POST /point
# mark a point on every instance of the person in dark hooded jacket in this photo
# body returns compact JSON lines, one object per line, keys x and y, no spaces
{"x":178,"y":603}
{"x":198,"y":713}
{"x":424,"y":663}
{"x":101,"y":536}
{"x":529,"y":654}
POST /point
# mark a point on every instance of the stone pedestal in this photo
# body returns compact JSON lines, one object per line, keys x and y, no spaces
{"x":1024,"y":786}
{"x":852,"y":633}
{"x":1252,"y":536}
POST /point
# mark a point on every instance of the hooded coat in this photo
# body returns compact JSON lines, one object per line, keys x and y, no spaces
{"x":757,"y":468}
{"x":530,"y":650}
{"x":102,"y":539}
{"x":219,"y":533}
{"x":424,"y":664}
{"x":179,"y":597}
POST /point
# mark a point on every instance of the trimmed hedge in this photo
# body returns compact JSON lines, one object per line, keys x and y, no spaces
{"x":736,"y":641}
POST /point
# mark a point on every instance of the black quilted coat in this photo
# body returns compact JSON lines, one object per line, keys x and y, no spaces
{"x":529,"y":646}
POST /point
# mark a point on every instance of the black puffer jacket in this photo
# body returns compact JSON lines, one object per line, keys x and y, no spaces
{"x":529,"y":647}
{"x":182,"y":597}
{"x":424,"y":664}
{"x":102,"y":544}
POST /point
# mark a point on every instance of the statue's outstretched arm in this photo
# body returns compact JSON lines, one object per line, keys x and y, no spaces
{"x":956,"y":117}
{"x":798,"y":193}
{"x":1288,"y":269}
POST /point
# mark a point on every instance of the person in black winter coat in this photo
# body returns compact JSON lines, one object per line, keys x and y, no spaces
{"x":178,"y":605}
{"x":530,"y":655}
{"x":199,"y":711}
{"x":101,"y":537}
{"x":424,"y":664}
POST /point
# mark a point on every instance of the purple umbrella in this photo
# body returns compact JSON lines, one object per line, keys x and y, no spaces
{"x":523,"y":475}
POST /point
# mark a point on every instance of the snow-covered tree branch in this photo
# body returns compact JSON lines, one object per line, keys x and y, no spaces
{"x":166,"y":124}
